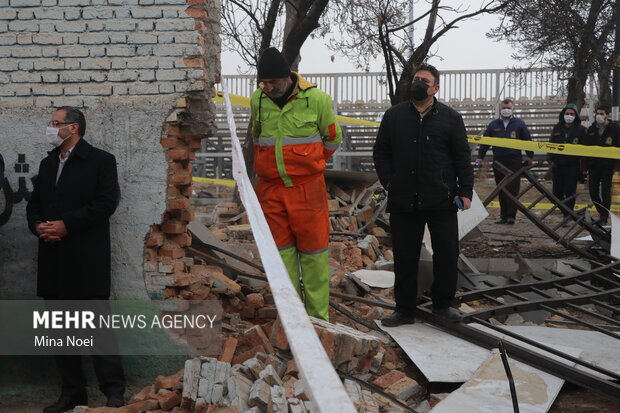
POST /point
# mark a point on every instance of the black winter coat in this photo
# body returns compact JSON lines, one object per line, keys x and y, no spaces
{"x":610,"y":137}
{"x":423,"y":163}
{"x":85,"y":197}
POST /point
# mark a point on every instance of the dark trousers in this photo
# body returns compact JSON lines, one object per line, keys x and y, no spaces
{"x":599,"y":184}
{"x":109,"y":371}
{"x":407,"y":233}
{"x":508,"y":209}
{"x":108,"y":368}
{"x":565,"y":183}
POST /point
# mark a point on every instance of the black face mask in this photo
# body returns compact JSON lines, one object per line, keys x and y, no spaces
{"x":419,"y":90}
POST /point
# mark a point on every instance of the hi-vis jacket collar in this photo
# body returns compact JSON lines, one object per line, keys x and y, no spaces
{"x":300,"y":84}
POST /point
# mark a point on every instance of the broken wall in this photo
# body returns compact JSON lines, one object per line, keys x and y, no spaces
{"x":136,"y":68}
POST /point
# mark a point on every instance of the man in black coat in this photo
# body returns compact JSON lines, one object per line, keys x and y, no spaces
{"x":423,"y":160}
{"x":74,"y":195}
{"x":600,"y":171}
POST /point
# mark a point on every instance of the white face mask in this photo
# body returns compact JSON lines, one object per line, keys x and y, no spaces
{"x":52,"y":136}
{"x":601,"y":119}
{"x":506,"y":113}
{"x":569,"y":118}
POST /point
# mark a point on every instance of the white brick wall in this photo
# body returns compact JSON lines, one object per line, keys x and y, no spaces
{"x":55,"y":52}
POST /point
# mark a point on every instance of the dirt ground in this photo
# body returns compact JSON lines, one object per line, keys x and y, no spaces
{"x":524,"y":237}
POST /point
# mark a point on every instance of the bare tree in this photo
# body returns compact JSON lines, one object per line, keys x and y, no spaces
{"x":378,"y":27}
{"x":569,"y":36}
{"x":249,"y":27}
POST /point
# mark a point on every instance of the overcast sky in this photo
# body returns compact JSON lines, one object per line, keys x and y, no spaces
{"x":463,"y":48}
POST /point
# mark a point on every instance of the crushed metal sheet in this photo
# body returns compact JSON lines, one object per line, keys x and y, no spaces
{"x":488,"y":390}
{"x":598,"y":349}
{"x":376,"y":278}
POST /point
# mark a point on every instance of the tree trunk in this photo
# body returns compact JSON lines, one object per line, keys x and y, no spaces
{"x":576,"y":93}
{"x":604,"y":82}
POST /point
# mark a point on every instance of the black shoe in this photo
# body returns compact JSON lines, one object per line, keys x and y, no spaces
{"x":115,"y":401}
{"x":510,"y":221}
{"x":501,"y":221}
{"x":397,"y":319}
{"x":66,"y":403}
{"x":450,"y":313}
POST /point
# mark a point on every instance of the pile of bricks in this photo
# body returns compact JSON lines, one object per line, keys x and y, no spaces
{"x":351,"y":208}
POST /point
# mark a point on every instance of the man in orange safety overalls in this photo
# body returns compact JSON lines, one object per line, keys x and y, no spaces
{"x":295,"y":132}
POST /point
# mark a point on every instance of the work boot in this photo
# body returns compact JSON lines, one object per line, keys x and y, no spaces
{"x":510,"y":221}
{"x":66,"y":402}
{"x":450,"y":313}
{"x":115,"y":401}
{"x":501,"y":221}
{"x":397,"y":319}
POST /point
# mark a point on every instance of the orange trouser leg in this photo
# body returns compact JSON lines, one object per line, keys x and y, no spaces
{"x":298,"y":217}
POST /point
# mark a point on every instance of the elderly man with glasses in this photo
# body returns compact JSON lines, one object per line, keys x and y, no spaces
{"x":75,"y":193}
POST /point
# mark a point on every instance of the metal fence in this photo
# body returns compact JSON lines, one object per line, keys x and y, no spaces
{"x":456,"y":85}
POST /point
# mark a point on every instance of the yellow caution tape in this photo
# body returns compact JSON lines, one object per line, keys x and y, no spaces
{"x":213,"y":181}
{"x":561,"y":149}
{"x":495,"y":204}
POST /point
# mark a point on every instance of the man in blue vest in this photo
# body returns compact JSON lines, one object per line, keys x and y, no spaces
{"x":510,"y":127}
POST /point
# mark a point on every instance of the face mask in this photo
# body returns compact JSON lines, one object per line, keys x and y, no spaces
{"x":419,"y":90}
{"x":601,"y":118}
{"x":569,"y":118}
{"x":506,"y":113}
{"x":52,"y":136}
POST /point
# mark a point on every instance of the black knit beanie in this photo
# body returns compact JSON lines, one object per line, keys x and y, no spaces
{"x":272,"y":65}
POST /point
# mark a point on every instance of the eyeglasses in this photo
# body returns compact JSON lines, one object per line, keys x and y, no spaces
{"x":56,"y":123}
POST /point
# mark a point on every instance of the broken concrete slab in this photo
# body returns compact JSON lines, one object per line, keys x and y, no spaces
{"x":598,"y":349}
{"x":440,"y":356}
{"x":376,"y":278}
{"x":488,"y":390}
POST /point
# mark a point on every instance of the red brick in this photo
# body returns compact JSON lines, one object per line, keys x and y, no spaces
{"x":186,"y":215}
{"x":176,"y":166}
{"x":178,"y":154}
{"x":278,"y":336}
{"x":178,"y":203}
{"x":170,"y":400}
{"x":150,"y":254}
{"x":197,"y":14}
{"x":255,"y":336}
{"x":246,"y":355}
{"x":178,"y":265}
{"x":172,"y":252}
{"x":255,"y":300}
{"x":142,"y":395}
{"x":196,"y":2}
{"x":180,"y":178}
{"x":388,"y":379}
{"x":229,"y":346}
{"x":183,"y":240}
{"x":155,"y":240}
{"x":268,"y":327}
{"x":193,"y":61}
{"x":174,"y":190}
{"x":292,"y":369}
{"x":173,"y":129}
{"x":171,"y":142}
{"x":169,"y":382}
{"x":172,"y":227}
{"x":328,"y":340}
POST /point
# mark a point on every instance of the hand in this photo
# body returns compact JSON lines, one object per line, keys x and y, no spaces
{"x":52,"y":231}
{"x":466,"y":202}
{"x":529,"y":160}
